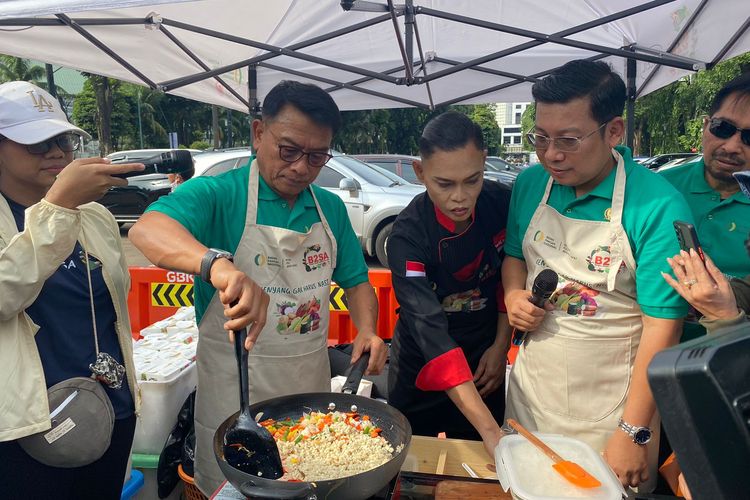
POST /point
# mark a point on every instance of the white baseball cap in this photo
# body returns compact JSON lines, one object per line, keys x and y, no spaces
{"x":29,"y":114}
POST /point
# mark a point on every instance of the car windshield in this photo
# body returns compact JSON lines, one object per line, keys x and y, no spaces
{"x":372,"y":174}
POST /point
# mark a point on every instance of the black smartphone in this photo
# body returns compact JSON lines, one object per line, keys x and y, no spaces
{"x":688,"y":238}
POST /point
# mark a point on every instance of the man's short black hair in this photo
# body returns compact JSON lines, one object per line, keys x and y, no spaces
{"x":448,"y":132}
{"x":739,"y":86}
{"x":310,"y":99}
{"x":581,"y":78}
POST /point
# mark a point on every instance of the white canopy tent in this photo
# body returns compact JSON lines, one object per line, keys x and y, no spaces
{"x":424,"y":53}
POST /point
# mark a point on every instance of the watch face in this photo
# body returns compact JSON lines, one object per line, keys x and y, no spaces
{"x":642,"y":436}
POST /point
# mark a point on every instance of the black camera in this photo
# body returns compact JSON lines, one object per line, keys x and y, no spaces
{"x":176,"y":161}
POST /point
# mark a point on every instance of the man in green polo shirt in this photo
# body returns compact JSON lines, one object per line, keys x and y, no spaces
{"x":721,"y":211}
{"x":604,"y":225}
{"x":266,"y":244}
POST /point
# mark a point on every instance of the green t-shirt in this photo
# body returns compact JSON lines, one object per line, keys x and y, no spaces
{"x":722,"y":225}
{"x":213,"y":210}
{"x":651,"y":204}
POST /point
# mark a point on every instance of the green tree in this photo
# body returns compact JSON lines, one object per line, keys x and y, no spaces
{"x":484,"y":116}
{"x":670,"y":119}
{"x":527,"y":123}
{"x":102,"y":110}
{"x":15,"y":68}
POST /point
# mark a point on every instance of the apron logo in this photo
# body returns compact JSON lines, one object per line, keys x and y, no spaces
{"x":262,"y":259}
{"x":468,"y":301}
{"x":608,"y":214}
{"x":576,"y":299}
{"x":732,"y":226}
{"x":540,"y":237}
{"x":294,"y":318}
{"x":600,"y":259}
{"x":314,"y":259}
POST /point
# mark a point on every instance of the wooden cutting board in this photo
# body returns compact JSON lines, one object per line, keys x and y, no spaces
{"x":460,"y":490}
{"x":444,"y":456}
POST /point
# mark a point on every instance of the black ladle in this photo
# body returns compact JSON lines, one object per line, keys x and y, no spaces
{"x":248,"y":446}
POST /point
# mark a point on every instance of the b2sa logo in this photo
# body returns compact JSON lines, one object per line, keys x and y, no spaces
{"x":314,"y":259}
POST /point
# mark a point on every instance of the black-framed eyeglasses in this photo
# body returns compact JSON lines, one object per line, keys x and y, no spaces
{"x":290,"y":154}
{"x":66,"y":142}
{"x":724,"y":129}
{"x":565,"y":144}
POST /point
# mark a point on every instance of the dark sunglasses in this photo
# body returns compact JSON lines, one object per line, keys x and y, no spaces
{"x":66,"y":142}
{"x":724,"y":130}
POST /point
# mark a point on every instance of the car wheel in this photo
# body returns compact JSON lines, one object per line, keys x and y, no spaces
{"x":380,"y":243}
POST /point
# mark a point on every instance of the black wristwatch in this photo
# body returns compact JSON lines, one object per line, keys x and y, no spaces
{"x":208,"y":260}
{"x":639,"y":435}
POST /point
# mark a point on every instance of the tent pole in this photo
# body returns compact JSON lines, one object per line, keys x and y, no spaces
{"x":252,"y":91}
{"x":409,"y":25}
{"x":630,"y":71}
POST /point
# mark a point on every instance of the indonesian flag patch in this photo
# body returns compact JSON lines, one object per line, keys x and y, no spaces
{"x":415,"y":269}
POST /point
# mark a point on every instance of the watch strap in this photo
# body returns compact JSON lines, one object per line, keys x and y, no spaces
{"x":208,"y":259}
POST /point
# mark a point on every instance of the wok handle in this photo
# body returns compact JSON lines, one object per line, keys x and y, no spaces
{"x":241,"y":354}
{"x":355,"y":374}
{"x":281,"y":490}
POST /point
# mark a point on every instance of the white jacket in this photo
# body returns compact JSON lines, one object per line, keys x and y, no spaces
{"x":27,"y":260}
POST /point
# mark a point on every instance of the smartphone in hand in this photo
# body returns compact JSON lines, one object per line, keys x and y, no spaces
{"x":688,"y":238}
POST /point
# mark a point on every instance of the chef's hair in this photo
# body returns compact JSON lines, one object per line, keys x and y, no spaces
{"x":738,"y":88}
{"x":582,"y":78}
{"x":311,"y":100}
{"x":448,"y":132}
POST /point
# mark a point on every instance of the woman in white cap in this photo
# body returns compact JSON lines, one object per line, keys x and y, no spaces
{"x":63,"y":293}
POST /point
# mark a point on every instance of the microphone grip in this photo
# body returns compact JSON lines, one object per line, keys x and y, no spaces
{"x":537,"y":300}
{"x":150,"y":169}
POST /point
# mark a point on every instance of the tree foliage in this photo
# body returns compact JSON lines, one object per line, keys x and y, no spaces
{"x":670,"y":119}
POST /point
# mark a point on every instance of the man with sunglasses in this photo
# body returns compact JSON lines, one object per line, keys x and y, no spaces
{"x":604,"y":224}
{"x":266,"y":244}
{"x":721,"y":211}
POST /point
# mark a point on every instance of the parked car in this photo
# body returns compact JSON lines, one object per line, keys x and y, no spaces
{"x":400,"y":165}
{"x":373,"y":196}
{"x":678,"y":162}
{"x":498,"y":164}
{"x":127,"y":203}
{"x":657,"y":161}
{"x":373,"y":199}
{"x":220,"y":161}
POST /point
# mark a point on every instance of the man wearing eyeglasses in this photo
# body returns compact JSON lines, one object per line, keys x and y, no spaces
{"x":604,"y":224}
{"x":721,"y":211}
{"x":270,"y":244}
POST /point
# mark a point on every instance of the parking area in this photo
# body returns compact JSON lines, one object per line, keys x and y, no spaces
{"x":135,"y":258}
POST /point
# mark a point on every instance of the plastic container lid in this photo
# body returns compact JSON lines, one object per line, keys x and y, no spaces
{"x":528,"y":472}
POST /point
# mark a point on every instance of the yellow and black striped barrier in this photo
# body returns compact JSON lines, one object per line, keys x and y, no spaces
{"x":172,"y":294}
{"x":337,"y":299}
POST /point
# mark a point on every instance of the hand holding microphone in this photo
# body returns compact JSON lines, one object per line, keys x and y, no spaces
{"x":544,"y":285}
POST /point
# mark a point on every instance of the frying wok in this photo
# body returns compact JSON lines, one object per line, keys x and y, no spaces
{"x":395,"y":429}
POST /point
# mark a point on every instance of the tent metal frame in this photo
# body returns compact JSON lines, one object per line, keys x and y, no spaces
{"x":413,"y":71}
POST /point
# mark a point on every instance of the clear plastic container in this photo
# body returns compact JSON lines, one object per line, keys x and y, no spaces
{"x":528,"y":472}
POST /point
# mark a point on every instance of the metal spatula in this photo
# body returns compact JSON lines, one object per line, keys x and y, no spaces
{"x":248,"y":446}
{"x":571,"y":471}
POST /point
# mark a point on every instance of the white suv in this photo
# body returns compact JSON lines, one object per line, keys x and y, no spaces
{"x":373,"y":196}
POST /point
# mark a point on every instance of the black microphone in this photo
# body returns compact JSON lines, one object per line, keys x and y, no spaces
{"x":544,"y":285}
{"x":176,"y":161}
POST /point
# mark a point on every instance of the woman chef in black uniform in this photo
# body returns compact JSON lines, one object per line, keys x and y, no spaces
{"x":450,"y":343}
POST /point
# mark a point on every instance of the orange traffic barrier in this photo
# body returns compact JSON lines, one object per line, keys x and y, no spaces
{"x":156,"y":294}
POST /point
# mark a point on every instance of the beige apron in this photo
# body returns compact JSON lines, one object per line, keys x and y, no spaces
{"x":572,"y":374}
{"x":291,"y":353}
